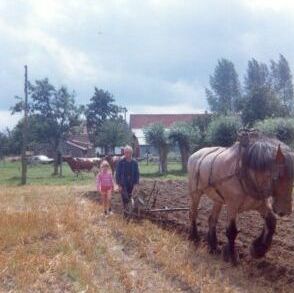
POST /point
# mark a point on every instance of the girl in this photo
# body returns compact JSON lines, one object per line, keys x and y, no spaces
{"x":105,"y":186}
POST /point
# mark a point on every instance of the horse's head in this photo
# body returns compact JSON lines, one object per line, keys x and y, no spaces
{"x":269,"y":171}
{"x":282,"y":184}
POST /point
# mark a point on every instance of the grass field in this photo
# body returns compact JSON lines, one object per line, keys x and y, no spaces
{"x":55,"y":239}
{"x":41,"y":174}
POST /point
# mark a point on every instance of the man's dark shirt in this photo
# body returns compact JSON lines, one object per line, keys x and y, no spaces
{"x":127,"y":173}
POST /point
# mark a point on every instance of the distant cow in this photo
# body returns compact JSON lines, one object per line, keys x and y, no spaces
{"x":78,"y":165}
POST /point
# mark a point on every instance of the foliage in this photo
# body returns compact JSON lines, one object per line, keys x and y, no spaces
{"x":55,"y":111}
{"x":186,"y":137}
{"x":184,"y":133}
{"x":225,"y":88}
{"x":114,"y":132}
{"x":281,"y":79}
{"x":260,"y":100}
{"x":100,"y":108}
{"x":281,"y":128}
{"x":222,"y":131}
{"x":38,"y":131}
{"x":4,"y":144}
{"x":157,"y":136}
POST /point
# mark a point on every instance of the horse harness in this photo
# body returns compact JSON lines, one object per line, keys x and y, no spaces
{"x":240,"y":173}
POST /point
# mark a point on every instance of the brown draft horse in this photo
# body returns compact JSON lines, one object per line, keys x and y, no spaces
{"x":242,"y":177}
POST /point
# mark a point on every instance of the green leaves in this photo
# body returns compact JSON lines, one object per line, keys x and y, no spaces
{"x":114,"y":132}
{"x":100,"y":109}
{"x":156,"y":135}
{"x":225,"y":88}
{"x":281,"y":128}
{"x":222,"y":131}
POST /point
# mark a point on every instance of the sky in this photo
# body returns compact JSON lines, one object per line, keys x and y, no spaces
{"x":154,"y":56}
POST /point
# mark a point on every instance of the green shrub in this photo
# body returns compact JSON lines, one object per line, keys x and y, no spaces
{"x":281,"y":128}
{"x":222,"y":131}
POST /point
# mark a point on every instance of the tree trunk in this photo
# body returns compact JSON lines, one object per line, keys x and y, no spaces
{"x":163,"y":159}
{"x":184,"y":157}
{"x":55,"y":170}
{"x":60,"y":167}
{"x":55,"y":163}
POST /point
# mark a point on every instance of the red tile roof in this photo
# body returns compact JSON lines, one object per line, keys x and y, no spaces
{"x":143,"y":120}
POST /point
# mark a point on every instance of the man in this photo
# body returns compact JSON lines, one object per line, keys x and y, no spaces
{"x":127,"y":176}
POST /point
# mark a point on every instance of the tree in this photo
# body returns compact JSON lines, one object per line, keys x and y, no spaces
{"x":56,"y":113}
{"x":186,"y":137}
{"x":201,"y":122}
{"x":225,"y":88}
{"x":282,"y":83}
{"x":4,"y":144}
{"x":222,"y":131}
{"x":281,"y":128}
{"x":100,"y":108}
{"x":114,"y":132}
{"x":157,"y":136}
{"x":37,"y":133}
{"x":259,"y":101}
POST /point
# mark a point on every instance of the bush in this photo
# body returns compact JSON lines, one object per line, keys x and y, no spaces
{"x":280,"y":128}
{"x":222,"y":130}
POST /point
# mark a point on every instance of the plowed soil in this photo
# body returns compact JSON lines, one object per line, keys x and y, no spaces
{"x":276,"y":268}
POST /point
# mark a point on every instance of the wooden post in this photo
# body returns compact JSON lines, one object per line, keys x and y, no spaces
{"x":25,"y":132}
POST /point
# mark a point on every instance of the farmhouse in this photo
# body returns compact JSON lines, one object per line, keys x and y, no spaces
{"x":140,"y":121}
{"x":77,"y":144}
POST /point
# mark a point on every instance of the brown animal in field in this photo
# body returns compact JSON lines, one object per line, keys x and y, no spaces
{"x":78,"y":165}
{"x":112,"y":161}
{"x":242,"y":177}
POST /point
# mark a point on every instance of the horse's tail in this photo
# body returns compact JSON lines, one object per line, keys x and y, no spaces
{"x":193,"y":166}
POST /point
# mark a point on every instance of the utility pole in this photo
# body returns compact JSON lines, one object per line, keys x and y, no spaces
{"x":25,"y":132}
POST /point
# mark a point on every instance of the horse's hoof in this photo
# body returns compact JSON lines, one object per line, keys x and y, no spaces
{"x":258,"y":250}
{"x":229,"y":257}
{"x":226,"y":253}
{"x":194,"y":238}
{"x":214,"y":251}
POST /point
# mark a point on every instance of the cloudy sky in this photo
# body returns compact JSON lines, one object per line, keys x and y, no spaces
{"x":155,"y":56}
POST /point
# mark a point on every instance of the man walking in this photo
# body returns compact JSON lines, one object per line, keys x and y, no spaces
{"x":127,"y":176}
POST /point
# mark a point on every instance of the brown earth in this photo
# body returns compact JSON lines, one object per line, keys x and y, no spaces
{"x":276,"y":269}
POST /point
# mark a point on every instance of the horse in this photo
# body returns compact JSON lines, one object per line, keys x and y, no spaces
{"x":255,"y":173}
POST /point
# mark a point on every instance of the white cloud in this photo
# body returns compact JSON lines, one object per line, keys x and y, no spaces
{"x":154,"y":56}
{"x":8,"y":120}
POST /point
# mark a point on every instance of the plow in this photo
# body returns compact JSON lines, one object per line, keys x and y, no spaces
{"x":144,"y":204}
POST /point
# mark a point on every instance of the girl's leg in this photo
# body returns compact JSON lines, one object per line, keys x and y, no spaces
{"x":104,"y":197}
{"x":109,"y":196}
{"x":100,"y":197}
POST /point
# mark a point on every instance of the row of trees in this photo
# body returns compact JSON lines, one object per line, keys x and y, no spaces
{"x":265,"y":101}
{"x":54,"y":115}
{"x":219,"y":131}
{"x":267,"y":90}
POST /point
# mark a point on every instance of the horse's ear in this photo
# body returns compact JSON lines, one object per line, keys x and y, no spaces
{"x":280,"y":158}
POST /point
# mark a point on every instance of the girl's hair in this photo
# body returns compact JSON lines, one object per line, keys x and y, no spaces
{"x":104,"y":164}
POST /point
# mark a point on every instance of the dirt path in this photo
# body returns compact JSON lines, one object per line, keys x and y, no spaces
{"x":275,"y":270}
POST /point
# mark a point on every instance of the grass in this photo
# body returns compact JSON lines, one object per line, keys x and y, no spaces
{"x":10,"y":174}
{"x":53,"y":239}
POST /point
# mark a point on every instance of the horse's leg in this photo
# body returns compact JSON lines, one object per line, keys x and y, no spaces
{"x":212,"y":221}
{"x":229,"y":252}
{"x":261,"y":244}
{"x":195,"y":198}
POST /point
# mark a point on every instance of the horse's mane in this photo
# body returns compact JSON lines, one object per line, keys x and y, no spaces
{"x":260,"y":153}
